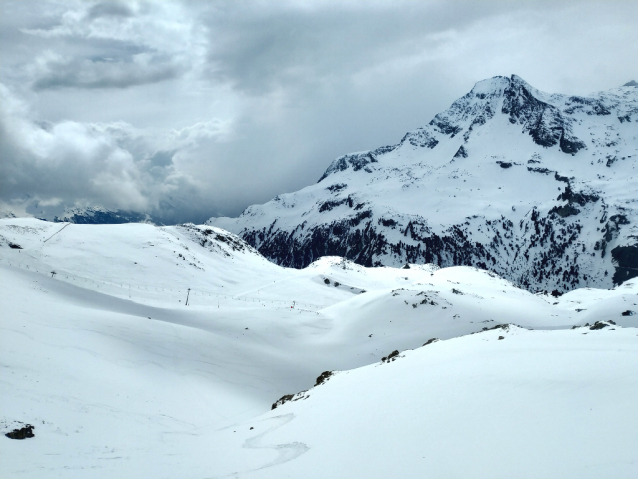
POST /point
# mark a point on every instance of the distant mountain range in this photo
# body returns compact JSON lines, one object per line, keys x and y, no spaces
{"x":97,"y":215}
{"x":539,"y":188}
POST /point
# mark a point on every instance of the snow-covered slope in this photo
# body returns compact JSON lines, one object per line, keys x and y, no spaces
{"x":121,"y":379}
{"x":539,"y":188}
{"x":500,"y":404}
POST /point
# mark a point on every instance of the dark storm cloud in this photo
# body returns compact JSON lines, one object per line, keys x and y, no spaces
{"x":193,"y":109}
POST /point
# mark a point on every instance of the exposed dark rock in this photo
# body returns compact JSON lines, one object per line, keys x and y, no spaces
{"x":504,"y":327}
{"x":331,"y":204}
{"x":626,"y":259}
{"x":565,"y":211}
{"x":387,"y":222}
{"x":282,"y":400}
{"x":544,"y":171}
{"x":22,"y":433}
{"x":588,"y":105}
{"x":420,"y":138}
{"x":579,"y":198}
{"x":570,"y":145}
{"x":445,"y":126}
{"x":337,"y":187}
{"x":599,"y":325}
{"x":390,"y":357}
{"x":544,"y":122}
{"x":323,"y":377}
{"x":461,"y":152}
{"x":357,"y":161}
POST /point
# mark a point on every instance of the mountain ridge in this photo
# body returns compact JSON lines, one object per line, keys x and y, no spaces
{"x":99,"y":215}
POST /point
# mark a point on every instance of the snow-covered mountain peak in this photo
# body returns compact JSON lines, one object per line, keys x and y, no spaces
{"x":490,"y":86}
{"x":538,"y":187}
{"x":549,"y":120}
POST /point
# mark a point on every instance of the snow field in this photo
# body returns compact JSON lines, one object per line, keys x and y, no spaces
{"x":149,"y":387}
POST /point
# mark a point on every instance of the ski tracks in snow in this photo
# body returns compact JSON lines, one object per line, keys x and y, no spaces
{"x":285,"y":452}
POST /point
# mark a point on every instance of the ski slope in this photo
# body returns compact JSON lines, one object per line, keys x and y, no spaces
{"x":122,"y":379}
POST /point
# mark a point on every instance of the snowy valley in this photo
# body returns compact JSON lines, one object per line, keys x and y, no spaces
{"x":333,"y":370}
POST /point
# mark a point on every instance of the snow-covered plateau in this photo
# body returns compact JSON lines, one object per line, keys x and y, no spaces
{"x":335,"y":370}
{"x":539,"y":188}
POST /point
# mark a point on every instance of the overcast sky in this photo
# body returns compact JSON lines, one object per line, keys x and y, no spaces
{"x":188,"y":110}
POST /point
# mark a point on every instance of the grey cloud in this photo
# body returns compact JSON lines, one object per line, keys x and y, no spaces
{"x":71,"y":163}
{"x":260,"y":49}
{"x":111,"y":8}
{"x":139,"y":69}
{"x":110,"y":44}
{"x":162,"y":158}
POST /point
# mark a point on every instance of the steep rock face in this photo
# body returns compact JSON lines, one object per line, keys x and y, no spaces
{"x":541,"y":189}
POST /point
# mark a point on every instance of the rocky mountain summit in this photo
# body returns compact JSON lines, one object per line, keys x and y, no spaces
{"x":539,"y":188}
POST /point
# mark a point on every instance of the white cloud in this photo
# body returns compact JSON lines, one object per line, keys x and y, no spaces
{"x":113,"y":165}
{"x":216,"y":129}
